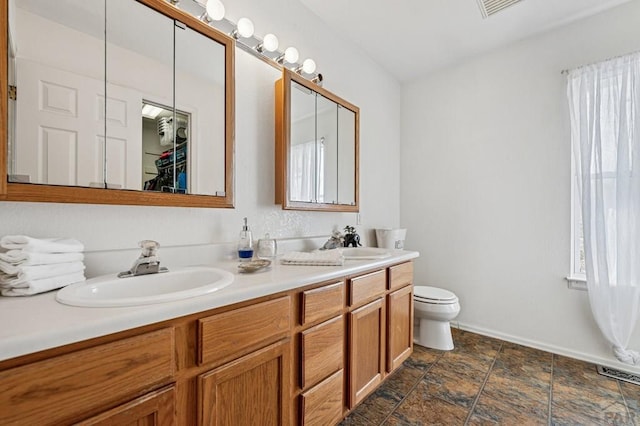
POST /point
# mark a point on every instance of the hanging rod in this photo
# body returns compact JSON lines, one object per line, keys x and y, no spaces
{"x":566,"y":71}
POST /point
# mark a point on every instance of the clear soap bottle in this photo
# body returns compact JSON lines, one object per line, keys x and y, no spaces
{"x":245,"y":243}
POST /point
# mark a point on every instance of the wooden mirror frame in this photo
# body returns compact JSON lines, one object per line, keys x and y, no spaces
{"x":67,"y":194}
{"x":283,"y":143}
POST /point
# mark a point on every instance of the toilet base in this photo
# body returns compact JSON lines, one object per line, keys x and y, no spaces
{"x":434,"y":334}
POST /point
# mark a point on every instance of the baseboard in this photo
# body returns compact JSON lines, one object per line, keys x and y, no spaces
{"x":558,"y":350}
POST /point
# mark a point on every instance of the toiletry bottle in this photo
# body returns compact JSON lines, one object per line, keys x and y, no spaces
{"x":267,"y":247}
{"x":245,"y":244}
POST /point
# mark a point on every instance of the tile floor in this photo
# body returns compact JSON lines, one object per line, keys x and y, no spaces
{"x":488,"y":381}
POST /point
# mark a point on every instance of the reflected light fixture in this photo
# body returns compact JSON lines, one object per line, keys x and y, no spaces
{"x":290,"y":55}
{"x":150,"y":111}
{"x":244,"y":28}
{"x":308,"y":67}
{"x":269,"y":43}
{"x":214,"y":11}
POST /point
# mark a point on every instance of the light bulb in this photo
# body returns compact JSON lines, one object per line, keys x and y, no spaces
{"x":215,"y":10}
{"x":270,"y":43}
{"x":291,"y":55}
{"x":309,"y":66}
{"x":245,"y":27}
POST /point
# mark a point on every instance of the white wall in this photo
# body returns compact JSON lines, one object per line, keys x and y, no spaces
{"x":348,"y":73}
{"x":485,"y":181}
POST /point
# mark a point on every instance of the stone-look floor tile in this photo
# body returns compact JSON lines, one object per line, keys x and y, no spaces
{"x":524,"y":363}
{"x":589,"y":400}
{"x":424,"y":357}
{"x":377,"y":406}
{"x":476,"y":420}
{"x":581,"y":374}
{"x":471,"y":342}
{"x":355,"y":420}
{"x":452,"y":387}
{"x":402,"y":381}
{"x":476,"y":365}
{"x":631,"y":395}
{"x":509,"y":412}
{"x":613,"y":415}
{"x":420,"y":408}
{"x":517,"y":395}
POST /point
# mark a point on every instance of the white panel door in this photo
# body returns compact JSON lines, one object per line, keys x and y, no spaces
{"x":61,"y":123}
{"x":124,"y":137}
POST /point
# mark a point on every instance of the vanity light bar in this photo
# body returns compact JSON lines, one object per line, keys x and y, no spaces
{"x":265,"y":49}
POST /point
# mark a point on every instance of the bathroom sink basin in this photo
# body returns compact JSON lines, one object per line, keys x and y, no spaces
{"x":358,"y":253}
{"x":177,"y":284}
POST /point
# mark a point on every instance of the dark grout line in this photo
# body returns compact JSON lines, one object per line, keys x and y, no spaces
{"x":486,"y":378}
{"x":549,"y":412}
{"x":624,"y":400}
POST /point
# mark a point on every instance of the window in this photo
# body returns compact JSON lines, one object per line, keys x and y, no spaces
{"x":603,"y":101}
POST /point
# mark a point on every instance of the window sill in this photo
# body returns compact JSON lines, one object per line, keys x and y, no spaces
{"x":576,"y":282}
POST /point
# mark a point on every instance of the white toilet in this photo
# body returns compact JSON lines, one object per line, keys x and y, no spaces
{"x":433,"y":309}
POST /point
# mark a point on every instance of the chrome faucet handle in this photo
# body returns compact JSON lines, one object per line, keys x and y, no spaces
{"x":149,"y":248}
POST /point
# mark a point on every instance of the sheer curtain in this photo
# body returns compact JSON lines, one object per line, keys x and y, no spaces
{"x":604,"y":102}
{"x":307,"y":179}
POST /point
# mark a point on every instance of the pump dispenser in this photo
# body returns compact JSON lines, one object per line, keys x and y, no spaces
{"x":245,"y":244}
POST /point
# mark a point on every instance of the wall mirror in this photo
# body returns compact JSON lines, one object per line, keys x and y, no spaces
{"x":116,"y":102}
{"x":317,"y":147}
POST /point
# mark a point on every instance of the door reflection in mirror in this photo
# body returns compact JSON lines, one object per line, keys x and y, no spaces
{"x":78,"y":119}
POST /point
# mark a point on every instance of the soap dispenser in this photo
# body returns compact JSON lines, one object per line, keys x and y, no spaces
{"x":245,"y":244}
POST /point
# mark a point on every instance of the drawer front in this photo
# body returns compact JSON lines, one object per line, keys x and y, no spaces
{"x":322,"y":349}
{"x":320,"y":303}
{"x":400,"y":275}
{"x":69,"y":387}
{"x":322,"y":404}
{"x":229,"y":335}
{"x":367,"y":287}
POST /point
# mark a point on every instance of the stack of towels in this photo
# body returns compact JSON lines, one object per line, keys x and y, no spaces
{"x":316,"y":258}
{"x":30,"y":265}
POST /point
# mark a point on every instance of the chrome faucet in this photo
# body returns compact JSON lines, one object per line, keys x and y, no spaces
{"x":147,"y":263}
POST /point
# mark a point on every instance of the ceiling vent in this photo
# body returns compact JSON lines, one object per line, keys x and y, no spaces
{"x":490,"y":7}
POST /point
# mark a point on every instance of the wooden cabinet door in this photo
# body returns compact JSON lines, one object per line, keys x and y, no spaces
{"x":252,"y":390}
{"x":367,"y":350}
{"x":154,"y":409}
{"x":399,"y":327}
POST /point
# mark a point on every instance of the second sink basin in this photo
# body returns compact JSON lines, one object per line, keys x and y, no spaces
{"x":357,"y":253}
{"x":177,"y":284}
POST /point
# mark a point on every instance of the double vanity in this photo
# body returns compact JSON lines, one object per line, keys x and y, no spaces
{"x":137,"y":107}
{"x":289,"y":345}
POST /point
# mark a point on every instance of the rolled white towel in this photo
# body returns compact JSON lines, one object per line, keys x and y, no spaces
{"x":318,"y":258}
{"x":45,"y":245}
{"x":21,"y":257}
{"x":29,"y":273}
{"x":42,"y":285}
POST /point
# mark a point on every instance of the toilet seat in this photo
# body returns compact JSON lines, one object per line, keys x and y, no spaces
{"x":434,"y":295}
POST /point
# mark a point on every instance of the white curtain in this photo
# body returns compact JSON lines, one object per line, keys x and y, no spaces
{"x":306,"y":178}
{"x":604,"y":102}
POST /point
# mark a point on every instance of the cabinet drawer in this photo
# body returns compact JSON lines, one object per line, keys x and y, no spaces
{"x":322,"y":302}
{"x":367,"y":287}
{"x":322,"y":404}
{"x":400,"y":275}
{"x":69,"y":387}
{"x":322,"y":349}
{"x":229,"y":335}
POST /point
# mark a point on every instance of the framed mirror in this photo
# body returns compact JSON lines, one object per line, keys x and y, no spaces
{"x":317,"y":147}
{"x":123,"y":102}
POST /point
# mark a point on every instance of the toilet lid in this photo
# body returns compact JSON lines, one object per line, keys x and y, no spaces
{"x":434,"y":294}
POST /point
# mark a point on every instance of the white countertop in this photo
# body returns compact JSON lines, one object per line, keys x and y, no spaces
{"x":35,"y":323}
